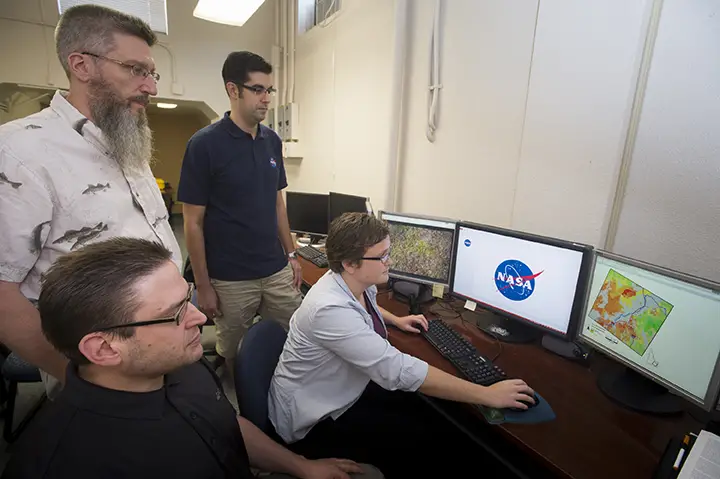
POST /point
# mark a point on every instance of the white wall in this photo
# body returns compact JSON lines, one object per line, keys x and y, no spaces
{"x":531,"y":124}
{"x":199,"y":47}
{"x":583,"y":79}
{"x":343,"y":92}
{"x":469,"y":171}
{"x":671,"y":210}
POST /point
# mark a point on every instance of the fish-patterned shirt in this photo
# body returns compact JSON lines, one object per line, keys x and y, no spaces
{"x":59,"y":190}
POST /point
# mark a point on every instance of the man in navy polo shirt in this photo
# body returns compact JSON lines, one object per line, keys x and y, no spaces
{"x":236,"y":226}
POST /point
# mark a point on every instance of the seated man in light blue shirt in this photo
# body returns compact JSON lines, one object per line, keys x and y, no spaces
{"x":340,"y":384}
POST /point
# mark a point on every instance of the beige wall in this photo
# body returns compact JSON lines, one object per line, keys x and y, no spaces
{"x":171,"y":132}
{"x":199,"y":48}
{"x":532,"y":114}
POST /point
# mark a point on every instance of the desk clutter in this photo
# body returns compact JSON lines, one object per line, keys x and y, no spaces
{"x":653,"y":330}
{"x":695,"y":456}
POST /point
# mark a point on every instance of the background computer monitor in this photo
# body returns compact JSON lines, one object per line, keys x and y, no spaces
{"x":339,"y":203}
{"x":421,"y":248}
{"x":307,"y":213}
{"x":662,"y":325}
{"x":533,"y":280}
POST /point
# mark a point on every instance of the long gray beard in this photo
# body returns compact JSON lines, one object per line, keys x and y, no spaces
{"x":128,"y":135}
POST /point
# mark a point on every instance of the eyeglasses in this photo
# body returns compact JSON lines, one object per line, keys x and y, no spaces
{"x":176,"y":318}
{"x":260,"y":90}
{"x":135,"y":70}
{"x":383,"y":259}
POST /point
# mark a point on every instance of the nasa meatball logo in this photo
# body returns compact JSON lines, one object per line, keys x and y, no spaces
{"x":515,"y":280}
{"x":467,"y":243}
{"x":273,"y":163}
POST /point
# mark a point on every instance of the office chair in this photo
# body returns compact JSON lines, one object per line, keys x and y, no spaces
{"x":15,"y":370}
{"x":254,"y":367}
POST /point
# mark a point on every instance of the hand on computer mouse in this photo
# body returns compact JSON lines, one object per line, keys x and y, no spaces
{"x":415,"y":323}
{"x":509,"y":394}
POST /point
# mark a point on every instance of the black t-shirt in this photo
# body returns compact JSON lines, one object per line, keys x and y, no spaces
{"x":187,"y":429}
{"x":237,"y":179}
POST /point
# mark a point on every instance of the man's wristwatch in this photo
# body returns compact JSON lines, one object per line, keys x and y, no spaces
{"x":292,"y":255}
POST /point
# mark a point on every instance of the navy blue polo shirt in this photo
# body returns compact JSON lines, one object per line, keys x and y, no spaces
{"x":237,"y":179}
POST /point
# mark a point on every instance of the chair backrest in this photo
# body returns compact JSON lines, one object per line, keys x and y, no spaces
{"x":254,"y":367}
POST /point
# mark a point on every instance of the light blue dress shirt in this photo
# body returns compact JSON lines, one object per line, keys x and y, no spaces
{"x":331,"y":354}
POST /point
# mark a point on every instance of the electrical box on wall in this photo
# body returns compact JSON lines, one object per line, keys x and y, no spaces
{"x":270,"y":119}
{"x":291,"y":122}
{"x":280,"y":122}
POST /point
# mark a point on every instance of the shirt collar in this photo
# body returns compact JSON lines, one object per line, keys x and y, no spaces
{"x":109,"y":402}
{"x":75,"y":119}
{"x":235,"y":130}
{"x":341,"y":282}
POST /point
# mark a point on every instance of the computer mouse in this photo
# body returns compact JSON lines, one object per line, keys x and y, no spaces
{"x":527,"y":403}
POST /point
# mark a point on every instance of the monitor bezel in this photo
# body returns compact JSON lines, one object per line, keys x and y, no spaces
{"x":423,"y":279}
{"x":366,"y":200}
{"x":303,"y":193}
{"x":580,"y":289}
{"x":707,"y":403}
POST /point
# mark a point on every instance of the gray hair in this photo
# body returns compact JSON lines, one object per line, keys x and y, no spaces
{"x":90,"y":28}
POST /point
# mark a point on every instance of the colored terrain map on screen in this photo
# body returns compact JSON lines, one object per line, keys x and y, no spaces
{"x":629,"y":312}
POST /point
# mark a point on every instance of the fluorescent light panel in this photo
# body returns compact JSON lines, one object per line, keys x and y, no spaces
{"x":168,"y":106}
{"x":228,"y":12}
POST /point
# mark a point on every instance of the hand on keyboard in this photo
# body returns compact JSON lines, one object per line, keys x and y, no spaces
{"x":508,"y":394}
{"x":415,"y":323}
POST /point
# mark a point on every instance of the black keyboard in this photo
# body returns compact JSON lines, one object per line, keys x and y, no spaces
{"x":463,"y":355}
{"x":311,"y":254}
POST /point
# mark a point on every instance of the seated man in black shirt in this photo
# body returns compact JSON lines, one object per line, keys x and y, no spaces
{"x":139,"y":401}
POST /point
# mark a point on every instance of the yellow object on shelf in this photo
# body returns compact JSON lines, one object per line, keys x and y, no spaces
{"x":160,"y":183}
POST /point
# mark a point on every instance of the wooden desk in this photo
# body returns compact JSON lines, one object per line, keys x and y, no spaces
{"x":591,"y":438}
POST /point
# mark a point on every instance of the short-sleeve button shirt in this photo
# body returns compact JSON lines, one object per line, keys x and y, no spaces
{"x":59,"y":190}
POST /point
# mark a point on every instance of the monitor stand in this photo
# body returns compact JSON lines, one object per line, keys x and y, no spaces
{"x":635,"y":391}
{"x":506,"y":330}
{"x":316,"y":239}
{"x":310,"y":240}
{"x":564,"y":348}
{"x":414,"y":294}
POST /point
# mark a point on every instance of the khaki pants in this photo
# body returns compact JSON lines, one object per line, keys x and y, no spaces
{"x":239,"y":301}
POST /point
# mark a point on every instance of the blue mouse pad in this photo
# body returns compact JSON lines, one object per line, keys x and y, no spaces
{"x":540,"y":413}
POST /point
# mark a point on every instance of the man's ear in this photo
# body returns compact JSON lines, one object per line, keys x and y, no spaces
{"x":232,"y":90}
{"x":100,"y":349}
{"x":81,"y":66}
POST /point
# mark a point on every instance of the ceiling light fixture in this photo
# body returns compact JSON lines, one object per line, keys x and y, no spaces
{"x":228,"y":12}
{"x":168,"y":106}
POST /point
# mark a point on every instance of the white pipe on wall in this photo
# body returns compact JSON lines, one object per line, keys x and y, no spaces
{"x":283,"y":50}
{"x":435,"y":84}
{"x":396,"y":91}
{"x":292,"y":25}
{"x":275,"y":61}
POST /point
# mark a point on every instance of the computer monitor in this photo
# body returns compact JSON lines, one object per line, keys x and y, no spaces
{"x":663,"y":326}
{"x":533,"y":283}
{"x":421,"y":247}
{"x":307,"y":213}
{"x":339,"y":203}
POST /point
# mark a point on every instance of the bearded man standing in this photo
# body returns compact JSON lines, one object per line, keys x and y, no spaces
{"x":78,"y":171}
